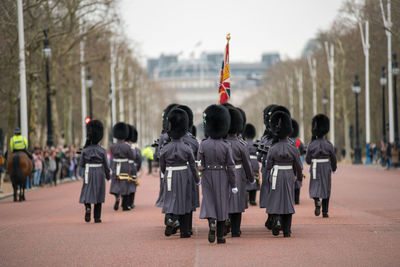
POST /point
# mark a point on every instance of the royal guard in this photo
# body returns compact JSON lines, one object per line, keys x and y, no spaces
{"x":178,"y":165}
{"x":321,"y":156}
{"x":95,"y":163}
{"x":218,"y":171}
{"x":121,"y":177}
{"x":133,"y":169}
{"x":300,"y":146}
{"x":249,"y":134}
{"x":243,"y":169}
{"x":160,"y":143}
{"x":137,"y":164}
{"x":284,"y":164}
{"x":189,"y":139}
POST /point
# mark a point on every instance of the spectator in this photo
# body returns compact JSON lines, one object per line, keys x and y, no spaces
{"x":38,"y":160}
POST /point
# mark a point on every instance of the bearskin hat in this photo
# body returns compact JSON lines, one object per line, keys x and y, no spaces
{"x":194,"y":131}
{"x":216,"y":119}
{"x":278,"y":108}
{"x":120,"y":131}
{"x":320,"y":125}
{"x":130,"y":128}
{"x":227,"y":105}
{"x":281,"y":124}
{"x":94,"y":131}
{"x":189,"y":112}
{"x":236,"y":121}
{"x":249,"y":131}
{"x":178,"y":123}
{"x":165,"y":115}
{"x":134,"y":135}
{"x":295,"y":127}
{"x":267,"y":114}
{"x":243,"y":117}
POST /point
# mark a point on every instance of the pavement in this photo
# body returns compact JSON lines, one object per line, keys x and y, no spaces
{"x":363,"y":229}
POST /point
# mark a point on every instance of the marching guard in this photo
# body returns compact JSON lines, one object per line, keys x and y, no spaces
{"x":178,"y":165}
{"x":243,"y":168}
{"x":322,"y":159}
{"x":300,"y":146}
{"x":249,"y":134}
{"x":95,"y":162}
{"x":137,"y":162}
{"x":218,"y":171}
{"x":283,"y":161}
{"x":121,"y":169}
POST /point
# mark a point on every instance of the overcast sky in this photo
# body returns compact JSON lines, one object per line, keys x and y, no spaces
{"x":256,"y":26}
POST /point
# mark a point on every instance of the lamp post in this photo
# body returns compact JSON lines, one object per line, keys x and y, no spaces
{"x":383,"y":83}
{"x":357,"y":150}
{"x":89,"y":85}
{"x":396,"y":71}
{"x":47,"y":55}
{"x":325,"y":101}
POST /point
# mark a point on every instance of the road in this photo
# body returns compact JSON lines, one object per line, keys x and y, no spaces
{"x":363,"y":230}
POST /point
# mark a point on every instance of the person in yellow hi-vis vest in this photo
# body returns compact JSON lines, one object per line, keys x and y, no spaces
{"x":19,"y":143}
{"x":148,"y":152}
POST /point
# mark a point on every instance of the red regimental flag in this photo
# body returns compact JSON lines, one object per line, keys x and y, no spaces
{"x":224,"y":84}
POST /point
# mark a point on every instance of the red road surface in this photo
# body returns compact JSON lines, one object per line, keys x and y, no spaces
{"x":363,"y":230}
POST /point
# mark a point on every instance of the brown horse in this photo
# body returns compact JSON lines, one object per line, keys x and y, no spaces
{"x":19,"y":167}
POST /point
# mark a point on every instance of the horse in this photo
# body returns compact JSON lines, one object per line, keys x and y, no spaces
{"x":19,"y":167}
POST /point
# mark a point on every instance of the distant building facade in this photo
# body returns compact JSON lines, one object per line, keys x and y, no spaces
{"x":194,"y":82}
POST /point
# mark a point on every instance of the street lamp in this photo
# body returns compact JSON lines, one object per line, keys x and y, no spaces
{"x":325,"y":101}
{"x":383,"y":83}
{"x":47,"y":55}
{"x":357,"y":150}
{"x":89,"y":85}
{"x":395,"y":70}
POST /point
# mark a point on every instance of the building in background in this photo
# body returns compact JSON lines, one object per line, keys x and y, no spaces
{"x":194,"y":82}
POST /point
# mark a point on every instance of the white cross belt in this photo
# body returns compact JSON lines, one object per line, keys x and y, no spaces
{"x":118,"y":168}
{"x":171,"y":169}
{"x":314,"y":166}
{"x":275,"y":171}
{"x":87,"y":167}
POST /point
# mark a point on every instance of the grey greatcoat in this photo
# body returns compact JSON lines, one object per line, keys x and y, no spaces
{"x":320,"y":187}
{"x":178,"y":200}
{"x":164,"y":139}
{"x":194,"y":145}
{"x":135,"y":165}
{"x":218,"y":177}
{"x":254,"y":165}
{"x":94,"y":188}
{"x":244,"y":174}
{"x":281,"y":199}
{"x":262,"y":157}
{"x":121,"y":150}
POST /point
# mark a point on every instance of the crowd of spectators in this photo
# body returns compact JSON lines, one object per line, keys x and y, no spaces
{"x":53,"y":164}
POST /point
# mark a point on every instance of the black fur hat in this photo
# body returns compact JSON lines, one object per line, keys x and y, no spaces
{"x":320,"y":125}
{"x":194,"y":131}
{"x":216,"y":119}
{"x":120,"y":131}
{"x":227,"y":105}
{"x":295,"y":127}
{"x":249,"y":131}
{"x":189,"y":112}
{"x":134,"y":135}
{"x":278,"y":108}
{"x":130,"y":127}
{"x":236,"y":121}
{"x":178,"y":123}
{"x":267,"y":114}
{"x":94,"y":131}
{"x":243,"y":117}
{"x":165,"y":115}
{"x":281,"y":124}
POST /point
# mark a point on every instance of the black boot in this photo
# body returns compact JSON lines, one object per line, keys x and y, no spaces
{"x":235,"y":222}
{"x":297,"y":196}
{"x":184,"y":225}
{"x":317,"y":211}
{"x":252,"y":197}
{"x":125,"y":200}
{"x":277,"y":226}
{"x":220,"y":232}
{"x":87,"y":212}
{"x":286,"y":223}
{"x":211,"y":231}
{"x":269,"y":222}
{"x":325,"y":206}
{"x":97,"y":213}
{"x":172,"y":223}
{"x":116,"y":205}
{"x":227,"y":228}
{"x":133,"y":201}
{"x":191,"y":223}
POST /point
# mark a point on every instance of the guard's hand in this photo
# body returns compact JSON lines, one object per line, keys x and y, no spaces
{"x":235,"y":190}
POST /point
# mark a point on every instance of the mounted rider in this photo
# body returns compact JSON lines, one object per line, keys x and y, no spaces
{"x":19,"y":143}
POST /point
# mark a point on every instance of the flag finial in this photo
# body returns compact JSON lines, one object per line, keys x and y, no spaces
{"x":228,"y":37}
